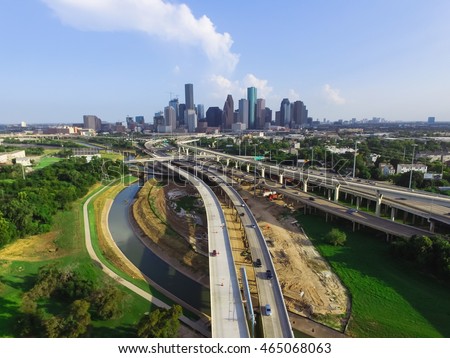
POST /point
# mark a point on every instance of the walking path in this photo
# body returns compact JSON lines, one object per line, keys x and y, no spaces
{"x":121,"y":280}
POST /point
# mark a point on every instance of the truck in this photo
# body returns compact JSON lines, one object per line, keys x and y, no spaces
{"x":275,"y":196}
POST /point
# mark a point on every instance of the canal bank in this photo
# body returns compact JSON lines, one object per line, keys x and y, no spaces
{"x":154,"y":268}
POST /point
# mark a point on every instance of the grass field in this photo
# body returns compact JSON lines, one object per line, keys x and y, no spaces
{"x":17,"y":276}
{"x":46,"y":161}
{"x":390,"y":298}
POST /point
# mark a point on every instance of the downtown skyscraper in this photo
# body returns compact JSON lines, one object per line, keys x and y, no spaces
{"x":251,"y":98}
{"x":228,"y":113}
{"x":189,"y":95}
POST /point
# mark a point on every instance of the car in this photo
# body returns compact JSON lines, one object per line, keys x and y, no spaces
{"x":243,"y":205}
{"x":214,"y":253}
{"x":242,"y":214}
{"x":269,"y":275}
{"x":311,"y":198}
{"x":351,"y":211}
{"x":268,"y":310}
{"x":258,"y":263}
{"x":253,"y":226}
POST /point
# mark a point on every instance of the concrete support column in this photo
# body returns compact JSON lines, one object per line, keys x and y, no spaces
{"x":354,"y":226}
{"x":281,"y":178}
{"x":358,"y":202}
{"x":248,"y":168}
{"x":432,"y":225}
{"x":228,"y":162}
{"x":405,"y":217}
{"x":263,"y":172}
{"x":393,"y":211}
{"x":217,"y":158}
{"x":236,"y":164}
{"x":329,"y":194}
{"x":378,"y":202}
{"x":336,"y":192}
{"x":305,"y":185}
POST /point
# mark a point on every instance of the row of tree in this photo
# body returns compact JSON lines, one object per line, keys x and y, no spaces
{"x":66,"y":287}
{"x":431,"y":254}
{"x":80,"y":301}
{"x":27,"y":206}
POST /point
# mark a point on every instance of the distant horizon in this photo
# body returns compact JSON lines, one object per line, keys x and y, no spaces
{"x":151,"y":122}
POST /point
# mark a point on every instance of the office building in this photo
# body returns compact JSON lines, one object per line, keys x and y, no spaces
{"x":92,"y":122}
{"x":228,"y":113}
{"x":175,"y":105}
{"x":214,"y":116}
{"x":189,"y":95}
{"x":251,"y":98}
{"x":191,"y":119}
{"x":260,"y":113}
{"x":285,"y":113}
{"x":243,"y":112}
{"x":170,"y":117}
{"x":200,"y":111}
{"x":181,"y":111}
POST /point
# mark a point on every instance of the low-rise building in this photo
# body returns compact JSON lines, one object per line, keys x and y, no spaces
{"x":418,"y":167}
{"x":9,"y":156}
{"x":386,"y":169}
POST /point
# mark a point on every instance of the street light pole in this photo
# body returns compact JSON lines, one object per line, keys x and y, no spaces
{"x":412,"y":163}
{"x":254,"y":174}
{"x":354,"y":160}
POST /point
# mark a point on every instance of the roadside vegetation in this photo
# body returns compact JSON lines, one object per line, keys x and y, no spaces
{"x":391,"y":297}
{"x":49,"y":286}
{"x":27,"y":206}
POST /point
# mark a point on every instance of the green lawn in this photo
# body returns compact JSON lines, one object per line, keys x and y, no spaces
{"x":390,"y":297}
{"x":16,"y":277}
{"x":46,"y":161}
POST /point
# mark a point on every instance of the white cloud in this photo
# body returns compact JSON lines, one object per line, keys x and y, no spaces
{"x":171,"y":22}
{"x":263,"y":90}
{"x":293,"y":95}
{"x":333,"y":95}
{"x":176,"y":70}
{"x":223,"y":86}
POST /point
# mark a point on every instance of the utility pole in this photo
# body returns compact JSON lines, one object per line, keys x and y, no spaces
{"x":254,"y":174}
{"x":412,"y":163}
{"x":354,"y":160}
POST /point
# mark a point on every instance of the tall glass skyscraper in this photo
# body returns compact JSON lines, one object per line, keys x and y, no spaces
{"x":189,"y":95}
{"x":251,"y":97}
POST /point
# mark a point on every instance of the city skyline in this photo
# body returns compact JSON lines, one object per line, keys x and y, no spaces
{"x":116,"y":58}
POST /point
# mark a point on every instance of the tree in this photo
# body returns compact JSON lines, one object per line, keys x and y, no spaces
{"x":76,"y":324}
{"x":336,"y":237}
{"x":160,"y":323}
{"x":107,"y":302}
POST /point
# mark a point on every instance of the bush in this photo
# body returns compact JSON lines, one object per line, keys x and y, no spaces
{"x":336,"y":237}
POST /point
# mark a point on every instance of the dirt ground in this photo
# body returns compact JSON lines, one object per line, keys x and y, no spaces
{"x":309,"y":286}
{"x":33,"y":248}
{"x":169,"y":235}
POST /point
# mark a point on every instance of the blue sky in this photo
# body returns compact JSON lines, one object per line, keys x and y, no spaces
{"x":61,"y":59}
